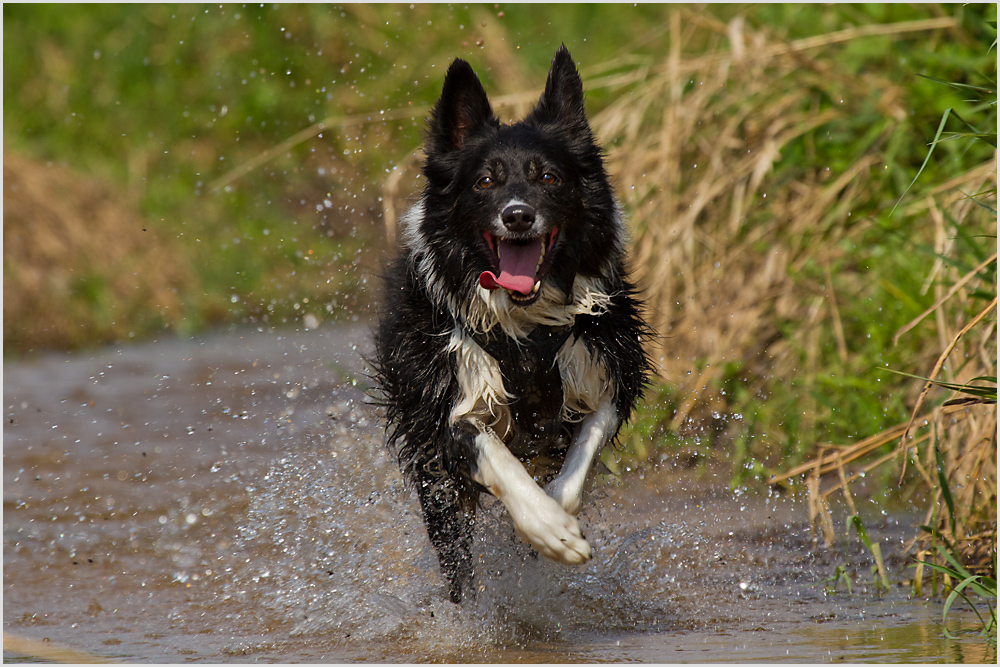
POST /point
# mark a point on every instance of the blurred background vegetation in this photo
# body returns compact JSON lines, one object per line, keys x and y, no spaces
{"x":174,"y":169}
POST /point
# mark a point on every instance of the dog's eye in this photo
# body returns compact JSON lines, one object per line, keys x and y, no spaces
{"x":548,"y":178}
{"x":485,"y":182}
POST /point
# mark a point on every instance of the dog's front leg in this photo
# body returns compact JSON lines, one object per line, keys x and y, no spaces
{"x":538,"y":519}
{"x":595,"y":432}
{"x":449,"y":513}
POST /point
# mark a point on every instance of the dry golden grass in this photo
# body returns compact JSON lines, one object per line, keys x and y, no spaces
{"x":716,"y":240}
{"x":80,"y":266}
{"x":717,"y":243}
{"x":953,"y":446}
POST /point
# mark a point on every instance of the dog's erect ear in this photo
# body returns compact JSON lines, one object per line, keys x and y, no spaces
{"x":462,"y":109}
{"x":562,"y":100}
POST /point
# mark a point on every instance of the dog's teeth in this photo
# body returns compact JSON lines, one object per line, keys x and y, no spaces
{"x":541,"y":258}
{"x":536,"y":287}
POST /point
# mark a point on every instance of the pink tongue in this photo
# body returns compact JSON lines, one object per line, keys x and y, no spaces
{"x":517,"y":267}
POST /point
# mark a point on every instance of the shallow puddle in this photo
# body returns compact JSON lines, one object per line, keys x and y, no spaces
{"x":228,"y":499}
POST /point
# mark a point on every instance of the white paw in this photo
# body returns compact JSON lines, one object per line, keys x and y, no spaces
{"x":554,"y":533}
{"x":538,"y":519}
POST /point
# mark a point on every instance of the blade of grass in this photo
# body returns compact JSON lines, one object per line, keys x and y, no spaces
{"x":968,"y":388}
{"x":972,"y":581}
{"x":945,"y":490}
{"x":937,"y":137}
{"x":956,"y":592}
{"x":874,"y":548}
{"x":960,"y":86}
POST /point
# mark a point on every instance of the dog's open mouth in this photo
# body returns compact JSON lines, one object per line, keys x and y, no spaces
{"x":521,"y":263}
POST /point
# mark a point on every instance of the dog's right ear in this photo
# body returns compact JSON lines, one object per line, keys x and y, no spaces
{"x":463,"y":109}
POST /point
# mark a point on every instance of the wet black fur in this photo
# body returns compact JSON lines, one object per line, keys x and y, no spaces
{"x":412,"y":365}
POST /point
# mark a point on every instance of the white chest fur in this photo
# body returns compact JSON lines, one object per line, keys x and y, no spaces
{"x":484,"y":397}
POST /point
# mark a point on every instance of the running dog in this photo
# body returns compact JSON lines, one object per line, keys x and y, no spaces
{"x":510,"y":344}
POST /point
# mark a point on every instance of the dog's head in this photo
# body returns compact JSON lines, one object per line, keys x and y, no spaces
{"x":510,"y":207}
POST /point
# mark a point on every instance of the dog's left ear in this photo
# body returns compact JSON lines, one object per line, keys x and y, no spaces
{"x":562,"y":100}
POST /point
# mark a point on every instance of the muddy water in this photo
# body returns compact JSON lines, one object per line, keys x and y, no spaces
{"x":227,"y":500}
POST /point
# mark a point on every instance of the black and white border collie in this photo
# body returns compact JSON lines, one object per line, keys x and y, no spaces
{"x":510,"y":345}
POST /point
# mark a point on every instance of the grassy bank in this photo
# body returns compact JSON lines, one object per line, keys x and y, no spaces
{"x":185,"y":167}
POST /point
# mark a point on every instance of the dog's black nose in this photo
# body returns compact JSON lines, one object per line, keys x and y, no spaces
{"x":518,"y":217}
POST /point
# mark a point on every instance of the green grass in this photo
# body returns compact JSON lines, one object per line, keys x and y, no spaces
{"x":960,"y":582}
